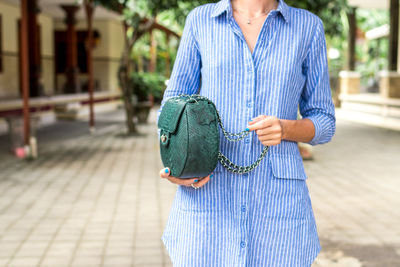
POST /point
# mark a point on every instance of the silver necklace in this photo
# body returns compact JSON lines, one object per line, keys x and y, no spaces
{"x":248,"y":20}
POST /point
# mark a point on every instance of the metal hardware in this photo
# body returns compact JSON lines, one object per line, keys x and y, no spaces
{"x":195,"y":187}
{"x":163,"y":138}
{"x":228,"y":164}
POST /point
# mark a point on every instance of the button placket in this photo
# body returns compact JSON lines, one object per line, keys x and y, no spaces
{"x":250,"y":79}
{"x":243,"y":216}
{"x":243,"y":209}
{"x":248,"y":101}
{"x":248,"y":91}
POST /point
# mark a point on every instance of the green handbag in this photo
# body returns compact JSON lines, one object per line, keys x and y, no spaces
{"x":189,"y":138}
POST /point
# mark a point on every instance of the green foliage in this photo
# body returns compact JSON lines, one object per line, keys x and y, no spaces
{"x":368,"y":19}
{"x":134,"y":10}
{"x":184,"y":7}
{"x":172,"y":13}
{"x":328,"y":10}
{"x":371,"y":55}
{"x":146,"y":83}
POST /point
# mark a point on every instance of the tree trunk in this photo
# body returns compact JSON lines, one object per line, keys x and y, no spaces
{"x":125,"y":71}
{"x":130,"y":112}
{"x":124,"y":80}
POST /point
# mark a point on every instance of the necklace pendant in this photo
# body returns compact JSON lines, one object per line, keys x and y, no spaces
{"x":248,"y":21}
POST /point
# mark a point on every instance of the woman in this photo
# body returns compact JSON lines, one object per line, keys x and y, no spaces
{"x":258,"y":61}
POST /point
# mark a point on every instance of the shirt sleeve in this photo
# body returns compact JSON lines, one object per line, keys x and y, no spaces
{"x":316,"y":100}
{"x":185,"y":76}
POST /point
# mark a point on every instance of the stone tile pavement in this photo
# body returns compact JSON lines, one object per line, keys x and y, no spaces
{"x":96,"y":200}
{"x":87,"y":201}
{"x":355,"y":190}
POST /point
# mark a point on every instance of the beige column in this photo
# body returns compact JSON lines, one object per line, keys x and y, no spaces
{"x":349,"y":82}
{"x":389,"y":84}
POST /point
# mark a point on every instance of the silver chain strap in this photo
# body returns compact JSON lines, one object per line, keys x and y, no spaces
{"x":227,"y":163}
{"x":232,"y":167}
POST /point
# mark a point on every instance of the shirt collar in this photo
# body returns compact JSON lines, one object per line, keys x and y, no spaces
{"x":225,"y":5}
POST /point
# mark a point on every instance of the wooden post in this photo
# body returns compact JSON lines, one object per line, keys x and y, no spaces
{"x":390,"y":80}
{"x":36,"y":89}
{"x":72,"y":85}
{"x":351,"y":61}
{"x":167,"y":58}
{"x":140,"y":63}
{"x":24,"y":57}
{"x":153,"y":52}
{"x":89,"y":7}
{"x":153,"y":59}
{"x":393,"y":34}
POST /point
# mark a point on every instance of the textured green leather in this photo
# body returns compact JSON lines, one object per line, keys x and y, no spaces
{"x":189,"y":136}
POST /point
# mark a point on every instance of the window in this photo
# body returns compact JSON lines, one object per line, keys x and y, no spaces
{"x":60,"y":40}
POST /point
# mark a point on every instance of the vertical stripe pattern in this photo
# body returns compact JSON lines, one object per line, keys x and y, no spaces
{"x":263,"y":218}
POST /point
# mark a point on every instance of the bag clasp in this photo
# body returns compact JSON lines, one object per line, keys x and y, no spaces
{"x":164,"y":138}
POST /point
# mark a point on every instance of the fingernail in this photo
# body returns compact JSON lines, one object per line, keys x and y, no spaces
{"x":251,"y":120}
{"x":196,"y":180}
{"x":247,"y":129}
{"x":166,"y":171}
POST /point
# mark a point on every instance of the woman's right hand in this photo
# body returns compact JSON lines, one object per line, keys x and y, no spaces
{"x":198,"y":181}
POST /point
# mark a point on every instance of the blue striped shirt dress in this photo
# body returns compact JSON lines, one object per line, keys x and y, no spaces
{"x":263,"y":218}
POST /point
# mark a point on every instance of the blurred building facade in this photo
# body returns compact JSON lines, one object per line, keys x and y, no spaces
{"x":383,"y":107}
{"x":57,"y":45}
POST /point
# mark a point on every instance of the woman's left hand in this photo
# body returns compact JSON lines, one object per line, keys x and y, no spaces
{"x":268,"y":128}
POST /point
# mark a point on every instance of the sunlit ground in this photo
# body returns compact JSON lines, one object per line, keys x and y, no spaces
{"x":97,"y":200}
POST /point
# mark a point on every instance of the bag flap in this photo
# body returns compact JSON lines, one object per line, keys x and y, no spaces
{"x":287,"y":166}
{"x":171,"y":113}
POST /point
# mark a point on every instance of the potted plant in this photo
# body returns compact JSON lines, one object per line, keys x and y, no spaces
{"x":146,"y":86}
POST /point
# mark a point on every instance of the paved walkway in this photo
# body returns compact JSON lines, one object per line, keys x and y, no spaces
{"x":97,"y":200}
{"x":355,"y":190}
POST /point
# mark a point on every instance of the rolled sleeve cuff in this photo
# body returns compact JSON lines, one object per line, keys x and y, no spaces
{"x":324,"y":128}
